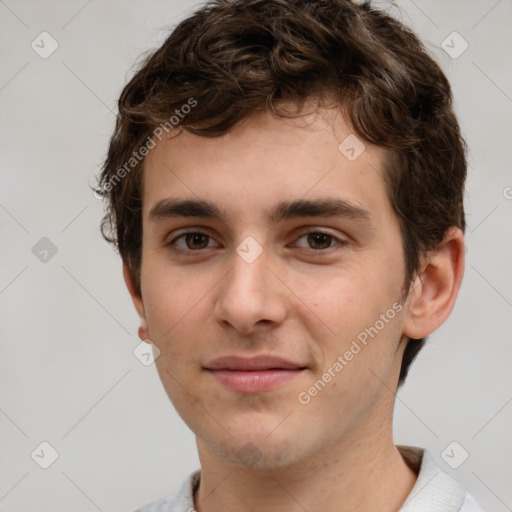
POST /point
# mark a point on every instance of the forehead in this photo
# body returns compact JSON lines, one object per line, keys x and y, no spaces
{"x":266,"y":161}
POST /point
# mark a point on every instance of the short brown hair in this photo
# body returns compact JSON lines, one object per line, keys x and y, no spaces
{"x":232,"y":57}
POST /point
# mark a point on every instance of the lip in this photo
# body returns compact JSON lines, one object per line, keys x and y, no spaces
{"x":262,"y":362}
{"x":255,"y":374}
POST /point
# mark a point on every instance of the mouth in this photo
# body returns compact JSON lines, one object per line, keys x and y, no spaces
{"x":253,"y":375}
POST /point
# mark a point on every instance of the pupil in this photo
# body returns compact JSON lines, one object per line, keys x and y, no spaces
{"x":195,"y":238}
{"x":316,"y":239}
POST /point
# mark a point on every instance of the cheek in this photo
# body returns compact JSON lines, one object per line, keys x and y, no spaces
{"x":359,"y":316}
{"x":170,"y":306}
{"x":172,"y":311}
{"x":347,"y":301}
{"x":171,"y":296}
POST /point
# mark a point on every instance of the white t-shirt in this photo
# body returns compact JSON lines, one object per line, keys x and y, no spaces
{"x":434,"y":490}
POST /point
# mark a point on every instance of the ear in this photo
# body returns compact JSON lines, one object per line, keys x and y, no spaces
{"x":137,"y":302}
{"x":433,"y":293}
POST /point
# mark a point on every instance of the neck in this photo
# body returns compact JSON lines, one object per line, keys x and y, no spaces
{"x":353,"y":474}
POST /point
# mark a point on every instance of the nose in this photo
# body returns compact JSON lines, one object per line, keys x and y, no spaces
{"x":251,"y":295}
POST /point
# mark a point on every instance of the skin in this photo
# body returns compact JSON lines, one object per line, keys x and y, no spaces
{"x":297,"y":300}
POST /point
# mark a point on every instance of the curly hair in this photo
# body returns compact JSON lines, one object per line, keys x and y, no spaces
{"x":232,"y":57}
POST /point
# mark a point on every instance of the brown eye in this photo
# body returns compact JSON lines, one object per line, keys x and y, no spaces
{"x":319,"y":240}
{"x":192,"y":241}
{"x":196,"y":240}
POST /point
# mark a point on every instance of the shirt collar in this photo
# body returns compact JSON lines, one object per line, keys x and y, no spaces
{"x":433,"y":490}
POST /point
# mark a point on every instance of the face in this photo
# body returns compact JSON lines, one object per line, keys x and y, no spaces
{"x":293,"y":252}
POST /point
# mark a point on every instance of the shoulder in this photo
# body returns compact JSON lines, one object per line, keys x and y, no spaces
{"x":181,"y":501}
{"x":434,"y":489}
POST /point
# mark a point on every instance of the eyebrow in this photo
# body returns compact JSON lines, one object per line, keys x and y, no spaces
{"x":322,"y":207}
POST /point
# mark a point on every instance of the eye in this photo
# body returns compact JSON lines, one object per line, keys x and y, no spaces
{"x":193,"y":241}
{"x":319,"y":241}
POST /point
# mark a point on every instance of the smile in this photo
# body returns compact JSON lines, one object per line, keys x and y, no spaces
{"x":256,"y":374}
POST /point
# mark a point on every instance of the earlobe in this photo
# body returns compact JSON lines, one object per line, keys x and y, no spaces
{"x":435,"y":289}
{"x":143,"y":330}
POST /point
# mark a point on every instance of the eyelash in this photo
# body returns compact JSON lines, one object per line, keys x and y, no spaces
{"x":340,"y":242}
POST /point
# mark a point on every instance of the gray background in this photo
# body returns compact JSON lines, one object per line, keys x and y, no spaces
{"x":68,"y":375}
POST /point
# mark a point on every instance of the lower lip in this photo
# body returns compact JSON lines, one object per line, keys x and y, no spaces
{"x":254,"y":381}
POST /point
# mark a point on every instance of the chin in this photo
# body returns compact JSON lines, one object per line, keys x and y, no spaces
{"x":265,"y":448}
{"x":256,"y":455}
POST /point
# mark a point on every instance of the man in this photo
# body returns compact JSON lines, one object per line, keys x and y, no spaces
{"x":285,"y":187}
